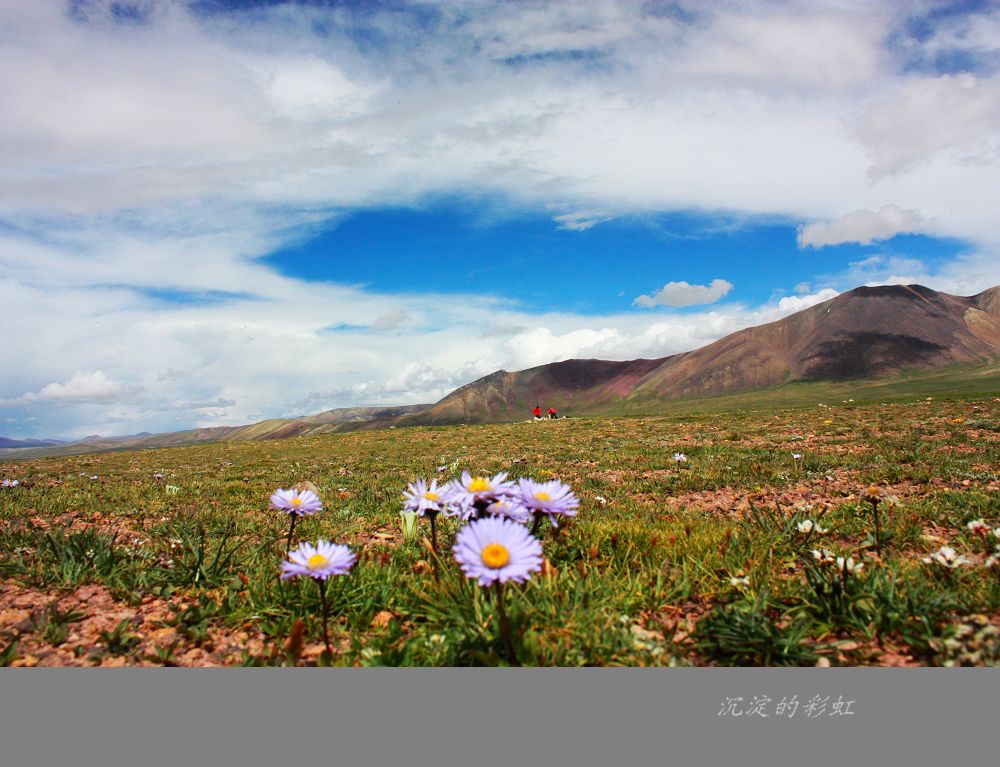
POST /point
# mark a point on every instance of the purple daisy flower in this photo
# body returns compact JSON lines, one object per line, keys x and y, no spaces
{"x":484,"y":488}
{"x":552,"y":498}
{"x":422,"y":497}
{"x":319,"y":561}
{"x":471,"y":495}
{"x":509,"y":508}
{"x":296,"y":502}
{"x":496,"y":550}
{"x":461,"y":502}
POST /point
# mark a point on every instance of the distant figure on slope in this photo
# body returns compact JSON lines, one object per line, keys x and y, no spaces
{"x":537,"y":412}
{"x":552,"y":412}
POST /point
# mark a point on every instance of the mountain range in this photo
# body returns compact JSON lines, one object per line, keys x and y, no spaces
{"x":865,"y":333}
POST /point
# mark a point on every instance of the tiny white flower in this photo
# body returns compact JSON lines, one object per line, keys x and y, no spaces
{"x":680,"y":457}
{"x":797,"y":456}
{"x":849,"y":565}
{"x":978,"y":527}
{"x":946,"y":556}
{"x":740,"y":581}
{"x":823,"y":556}
{"x":807,"y":525}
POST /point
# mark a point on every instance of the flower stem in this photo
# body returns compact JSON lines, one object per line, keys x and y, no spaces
{"x":537,"y":523}
{"x":505,"y":629}
{"x":432,"y":516}
{"x":326,"y":616}
{"x":291,"y":530}
{"x":878,"y":531}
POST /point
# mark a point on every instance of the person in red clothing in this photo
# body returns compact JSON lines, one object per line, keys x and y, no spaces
{"x":537,"y":412}
{"x":552,"y":412}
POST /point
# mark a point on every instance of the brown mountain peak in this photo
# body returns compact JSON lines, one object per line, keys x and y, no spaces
{"x":866,"y":332}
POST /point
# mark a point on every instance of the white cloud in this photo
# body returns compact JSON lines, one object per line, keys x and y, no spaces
{"x":684,"y":294}
{"x":217,"y":404}
{"x":967,"y":275}
{"x":861,"y":226}
{"x":957,"y":114}
{"x":390,"y":320}
{"x":796,"y":46}
{"x":541,"y":345}
{"x":308,"y":88}
{"x":791,"y":304}
{"x":80,"y":388}
{"x":581,"y":220}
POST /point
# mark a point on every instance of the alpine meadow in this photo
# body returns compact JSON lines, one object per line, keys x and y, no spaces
{"x":504,"y":333}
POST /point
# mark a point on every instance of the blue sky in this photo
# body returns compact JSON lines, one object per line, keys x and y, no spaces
{"x":219,"y":212}
{"x":456,"y":247}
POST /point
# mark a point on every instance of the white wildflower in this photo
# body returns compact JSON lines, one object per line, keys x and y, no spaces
{"x":946,"y":556}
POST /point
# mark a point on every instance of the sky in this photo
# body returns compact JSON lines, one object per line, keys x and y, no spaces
{"x":215,"y":212}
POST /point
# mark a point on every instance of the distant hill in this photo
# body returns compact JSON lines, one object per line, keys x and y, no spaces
{"x":866,"y":334}
{"x":343,"y":419}
{"x":861,"y":334}
{"x":9,"y":444}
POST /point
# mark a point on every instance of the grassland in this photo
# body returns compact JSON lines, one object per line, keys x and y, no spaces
{"x":103,"y":562}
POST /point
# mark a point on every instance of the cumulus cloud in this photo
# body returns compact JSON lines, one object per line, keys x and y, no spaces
{"x":390,"y":320}
{"x":861,"y":226}
{"x":541,"y":345}
{"x":970,"y":273}
{"x":82,"y":387}
{"x":415,"y":382}
{"x":684,"y":294}
{"x":791,"y":304}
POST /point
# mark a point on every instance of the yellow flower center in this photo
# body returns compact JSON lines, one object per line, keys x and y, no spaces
{"x":496,"y":556}
{"x":479,"y":485}
{"x":432,"y":496}
{"x":542,"y":496}
{"x":296,"y":502}
{"x":316,"y":561}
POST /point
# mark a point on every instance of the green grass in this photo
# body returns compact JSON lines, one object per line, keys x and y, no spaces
{"x":641,"y":577}
{"x":947,"y":382}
